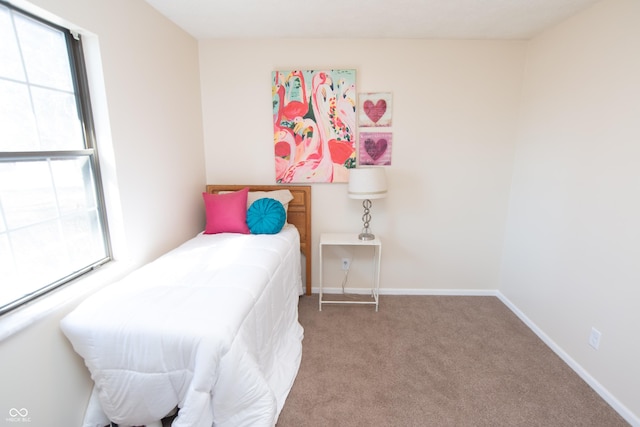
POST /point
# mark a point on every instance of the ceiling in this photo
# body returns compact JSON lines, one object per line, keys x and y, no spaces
{"x":427,"y":19}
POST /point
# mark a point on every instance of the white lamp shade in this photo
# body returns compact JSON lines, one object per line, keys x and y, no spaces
{"x":367,"y":183}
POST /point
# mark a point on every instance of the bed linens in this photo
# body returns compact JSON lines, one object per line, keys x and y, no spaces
{"x":211,"y":328}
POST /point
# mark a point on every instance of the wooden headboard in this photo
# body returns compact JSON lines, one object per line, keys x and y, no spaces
{"x":298,"y":214}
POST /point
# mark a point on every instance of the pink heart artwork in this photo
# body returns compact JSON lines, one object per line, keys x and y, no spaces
{"x":375,"y":111}
{"x":375,"y":148}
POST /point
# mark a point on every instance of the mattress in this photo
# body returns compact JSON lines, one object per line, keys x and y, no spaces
{"x":210,"y":328}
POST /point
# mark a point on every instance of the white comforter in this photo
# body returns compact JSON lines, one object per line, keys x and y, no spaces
{"x":210,"y":328}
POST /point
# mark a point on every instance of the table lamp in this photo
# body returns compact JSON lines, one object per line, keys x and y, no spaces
{"x":366,"y":184}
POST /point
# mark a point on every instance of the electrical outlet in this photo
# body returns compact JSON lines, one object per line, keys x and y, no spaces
{"x":594,"y":338}
{"x":346,"y":263}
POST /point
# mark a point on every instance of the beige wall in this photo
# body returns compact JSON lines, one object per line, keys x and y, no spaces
{"x":455,"y":106}
{"x":572,"y":253}
{"x":148,"y":105}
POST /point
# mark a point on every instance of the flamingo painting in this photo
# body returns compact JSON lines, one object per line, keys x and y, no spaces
{"x":314,"y":125}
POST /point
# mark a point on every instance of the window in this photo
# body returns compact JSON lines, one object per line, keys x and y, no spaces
{"x":52,"y":222}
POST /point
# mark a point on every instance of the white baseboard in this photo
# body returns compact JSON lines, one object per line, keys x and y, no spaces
{"x":392,"y":291}
{"x":624,"y":412}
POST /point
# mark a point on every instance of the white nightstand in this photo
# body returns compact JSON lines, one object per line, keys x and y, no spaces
{"x":349,"y":239}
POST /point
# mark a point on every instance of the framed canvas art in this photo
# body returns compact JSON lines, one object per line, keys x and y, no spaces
{"x":314,"y":125}
{"x":375,"y":148}
{"x":375,"y":109}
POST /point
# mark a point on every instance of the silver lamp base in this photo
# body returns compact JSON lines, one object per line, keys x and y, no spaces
{"x":366,"y":236}
{"x":366,"y":218}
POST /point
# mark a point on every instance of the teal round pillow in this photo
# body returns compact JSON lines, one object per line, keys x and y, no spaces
{"x":266,"y":216}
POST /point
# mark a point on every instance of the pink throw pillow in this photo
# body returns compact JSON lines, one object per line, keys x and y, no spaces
{"x":226,"y":213}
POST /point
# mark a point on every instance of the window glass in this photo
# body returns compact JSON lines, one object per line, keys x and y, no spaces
{"x":18,"y":130}
{"x":56,"y":113}
{"x":11,"y":65}
{"x":44,"y":53}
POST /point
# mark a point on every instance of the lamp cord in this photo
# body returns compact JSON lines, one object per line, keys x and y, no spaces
{"x":344,"y":279}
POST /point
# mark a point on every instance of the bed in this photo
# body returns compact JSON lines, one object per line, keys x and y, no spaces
{"x":208,"y":330}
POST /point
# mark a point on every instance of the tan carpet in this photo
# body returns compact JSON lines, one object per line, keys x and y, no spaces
{"x":433,"y":361}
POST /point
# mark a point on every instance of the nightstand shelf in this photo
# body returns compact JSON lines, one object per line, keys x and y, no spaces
{"x":351,"y":239}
